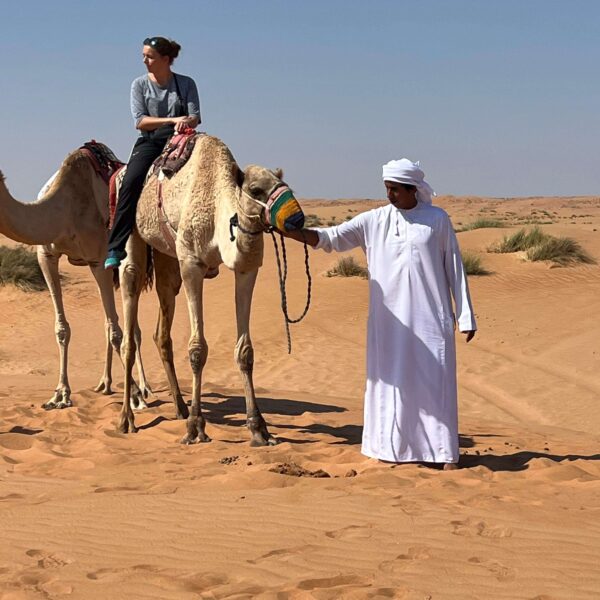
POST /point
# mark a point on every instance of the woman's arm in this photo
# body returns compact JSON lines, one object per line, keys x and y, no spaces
{"x":151,"y":123}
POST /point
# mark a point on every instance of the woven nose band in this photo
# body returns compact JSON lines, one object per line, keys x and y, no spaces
{"x":283,"y":210}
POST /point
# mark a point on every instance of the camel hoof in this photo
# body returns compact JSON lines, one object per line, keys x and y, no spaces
{"x":259,"y":441}
{"x":104,"y":387}
{"x":57,"y":404}
{"x":127,"y":426}
{"x":138,"y":404}
{"x":188,"y":440}
{"x":146,"y":391}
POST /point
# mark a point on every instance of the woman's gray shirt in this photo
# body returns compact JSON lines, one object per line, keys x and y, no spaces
{"x":149,"y":99}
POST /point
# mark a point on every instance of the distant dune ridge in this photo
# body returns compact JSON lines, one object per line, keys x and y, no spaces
{"x":86,"y":512}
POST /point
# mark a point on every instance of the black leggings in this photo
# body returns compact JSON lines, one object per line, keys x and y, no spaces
{"x":145,"y":152}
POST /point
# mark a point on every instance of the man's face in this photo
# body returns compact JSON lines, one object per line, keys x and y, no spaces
{"x":399,"y":196}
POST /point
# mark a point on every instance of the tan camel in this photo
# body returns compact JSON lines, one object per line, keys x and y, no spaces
{"x":71,"y":219}
{"x":198,"y":202}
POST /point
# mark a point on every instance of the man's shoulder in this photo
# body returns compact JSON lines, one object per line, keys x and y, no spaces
{"x":435,"y":211}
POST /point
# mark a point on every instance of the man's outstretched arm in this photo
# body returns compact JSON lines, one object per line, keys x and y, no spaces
{"x":309,"y":236}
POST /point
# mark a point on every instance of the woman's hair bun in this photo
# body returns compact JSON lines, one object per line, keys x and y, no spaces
{"x":175,"y":48}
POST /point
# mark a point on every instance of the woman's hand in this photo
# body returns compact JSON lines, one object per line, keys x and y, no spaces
{"x":183,"y":123}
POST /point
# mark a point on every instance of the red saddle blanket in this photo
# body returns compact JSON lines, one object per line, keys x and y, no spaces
{"x":104,"y":161}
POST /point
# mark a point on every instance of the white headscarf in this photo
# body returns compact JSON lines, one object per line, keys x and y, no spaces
{"x":406,"y":171}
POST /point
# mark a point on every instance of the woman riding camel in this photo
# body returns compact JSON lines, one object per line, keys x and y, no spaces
{"x":162,"y":103}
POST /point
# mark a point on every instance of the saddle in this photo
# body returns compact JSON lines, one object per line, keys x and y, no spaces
{"x":103,"y":160}
{"x":177,"y":152}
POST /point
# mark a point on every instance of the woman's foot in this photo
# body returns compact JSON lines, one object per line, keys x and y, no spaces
{"x":114,"y":258}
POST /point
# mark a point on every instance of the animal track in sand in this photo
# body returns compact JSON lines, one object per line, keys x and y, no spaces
{"x":500,"y":572}
{"x":470,"y":527}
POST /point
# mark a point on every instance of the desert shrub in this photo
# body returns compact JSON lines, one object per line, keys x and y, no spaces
{"x":481,"y":224}
{"x":560,"y":250}
{"x":19,"y":266}
{"x":473,"y":264}
{"x":521,"y":240}
{"x":312,"y":220}
{"x":348,"y":267}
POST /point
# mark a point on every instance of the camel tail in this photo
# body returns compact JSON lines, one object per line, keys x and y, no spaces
{"x":148,"y":276}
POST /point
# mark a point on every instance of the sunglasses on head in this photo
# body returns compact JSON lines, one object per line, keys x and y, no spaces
{"x":154,"y":42}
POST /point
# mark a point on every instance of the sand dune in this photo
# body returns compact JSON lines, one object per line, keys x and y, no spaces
{"x":86,"y":512}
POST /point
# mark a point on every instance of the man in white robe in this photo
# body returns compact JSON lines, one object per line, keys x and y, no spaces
{"x":415,"y":269}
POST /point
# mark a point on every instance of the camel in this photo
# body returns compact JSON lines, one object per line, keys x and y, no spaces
{"x":194,"y":233}
{"x":71,"y":219}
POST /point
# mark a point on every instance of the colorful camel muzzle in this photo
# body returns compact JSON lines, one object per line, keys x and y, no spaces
{"x":282,"y":210}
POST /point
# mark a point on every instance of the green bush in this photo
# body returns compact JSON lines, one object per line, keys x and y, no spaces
{"x":473,"y":265}
{"x":19,"y":266}
{"x":348,"y":267}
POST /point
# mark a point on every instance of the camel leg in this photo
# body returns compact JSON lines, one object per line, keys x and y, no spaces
{"x":131,"y":274}
{"x":168,"y":284}
{"x":115,"y":337}
{"x":145,"y":391}
{"x":244,"y":356}
{"x":49,"y":264}
{"x":192,"y":274}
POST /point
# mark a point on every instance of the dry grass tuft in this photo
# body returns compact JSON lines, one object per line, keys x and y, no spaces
{"x":473,"y":264}
{"x":312,"y":220}
{"x":19,"y":266}
{"x":561,"y":251}
{"x":541,"y":246}
{"x":482,"y":224}
{"x":521,"y":240}
{"x":348,"y":267}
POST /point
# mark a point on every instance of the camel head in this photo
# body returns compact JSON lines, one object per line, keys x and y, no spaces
{"x":267,"y":189}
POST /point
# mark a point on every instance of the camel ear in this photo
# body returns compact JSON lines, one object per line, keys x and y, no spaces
{"x":238,"y":174}
{"x":278,"y":173}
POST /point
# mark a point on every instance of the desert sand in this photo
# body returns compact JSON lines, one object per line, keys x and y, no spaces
{"x":86,"y":512}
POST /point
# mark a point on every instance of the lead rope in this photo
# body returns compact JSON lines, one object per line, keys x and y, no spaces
{"x":234,"y":222}
{"x":282,"y":282}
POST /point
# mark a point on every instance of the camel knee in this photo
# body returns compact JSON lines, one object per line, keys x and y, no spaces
{"x":244,"y":353}
{"x":115,"y":337}
{"x":62,"y":331}
{"x":198,"y":353}
{"x":131,"y":280}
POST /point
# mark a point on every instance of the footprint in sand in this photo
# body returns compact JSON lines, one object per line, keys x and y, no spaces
{"x":470,"y":527}
{"x":48,"y":561}
{"x":282,"y":553}
{"x":403,"y":561}
{"x":500,"y":572}
{"x":352,"y":532}
{"x":331,"y":582}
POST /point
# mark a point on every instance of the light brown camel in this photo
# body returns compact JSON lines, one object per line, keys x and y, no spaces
{"x":71,"y":219}
{"x":198,"y":202}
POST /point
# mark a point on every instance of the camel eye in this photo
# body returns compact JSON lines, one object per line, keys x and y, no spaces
{"x":255,"y":190}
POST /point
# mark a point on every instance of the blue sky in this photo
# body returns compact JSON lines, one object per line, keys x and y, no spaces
{"x":494,"y":97}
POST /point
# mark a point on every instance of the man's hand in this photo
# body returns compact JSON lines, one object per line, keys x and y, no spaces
{"x":470,"y":335}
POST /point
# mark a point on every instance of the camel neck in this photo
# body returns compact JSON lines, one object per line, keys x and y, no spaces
{"x":30,"y":222}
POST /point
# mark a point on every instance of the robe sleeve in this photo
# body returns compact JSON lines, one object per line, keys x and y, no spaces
{"x":457,"y":279}
{"x":346,"y":236}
